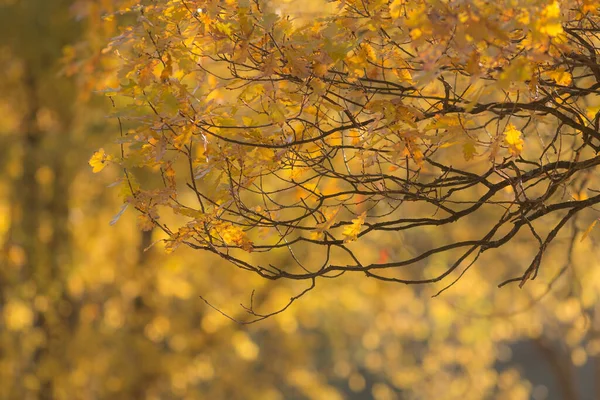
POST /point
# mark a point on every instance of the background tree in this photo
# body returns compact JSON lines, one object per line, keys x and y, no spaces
{"x":39,"y":121}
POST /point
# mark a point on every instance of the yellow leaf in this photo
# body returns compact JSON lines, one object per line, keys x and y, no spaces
{"x":144,"y":222}
{"x":369,"y":52}
{"x":580,"y":196}
{"x":592,"y":111}
{"x":277,"y":113}
{"x":224,"y":28}
{"x":552,"y":25}
{"x":351,"y":231}
{"x":99,"y":160}
{"x":217,"y":94}
{"x":450,"y":123}
{"x":469,"y":150}
{"x":128,"y":187}
{"x":319,"y":232}
{"x":553,"y":29}
{"x":403,"y":74}
{"x":473,"y":64}
{"x":233,"y":235}
{"x":168,"y":70}
{"x":523,"y":17}
{"x":396,"y":8}
{"x":561,"y":77}
{"x":512,"y":137}
{"x":552,"y":10}
{"x":588,"y":230}
{"x":317,"y":235}
{"x":333,"y":106}
{"x":519,"y":70}
{"x":320,"y":69}
{"x":416,"y":33}
{"x":252,"y":92}
{"x":183,"y":138}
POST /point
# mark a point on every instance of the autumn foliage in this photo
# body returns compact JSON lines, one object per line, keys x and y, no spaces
{"x":342,"y":148}
{"x":272,"y":132}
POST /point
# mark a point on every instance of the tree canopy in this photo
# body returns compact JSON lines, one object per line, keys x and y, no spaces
{"x":259,"y":129}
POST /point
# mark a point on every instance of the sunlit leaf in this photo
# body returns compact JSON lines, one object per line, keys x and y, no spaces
{"x":99,"y":160}
{"x":352,"y":231}
{"x":512,"y":137}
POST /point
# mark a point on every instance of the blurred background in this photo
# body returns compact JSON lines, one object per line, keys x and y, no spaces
{"x":87,"y":313}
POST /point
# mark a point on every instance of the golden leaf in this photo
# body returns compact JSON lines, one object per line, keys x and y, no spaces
{"x":330,"y":215}
{"x":277,"y":113}
{"x":561,"y":77}
{"x":168,"y":70}
{"x":512,"y":137}
{"x":552,"y":26}
{"x":98,"y":160}
{"x":353,"y":230}
{"x":469,"y":150}
{"x":403,"y":74}
{"x":233,"y":235}
{"x":396,"y":8}
{"x":144,"y":222}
